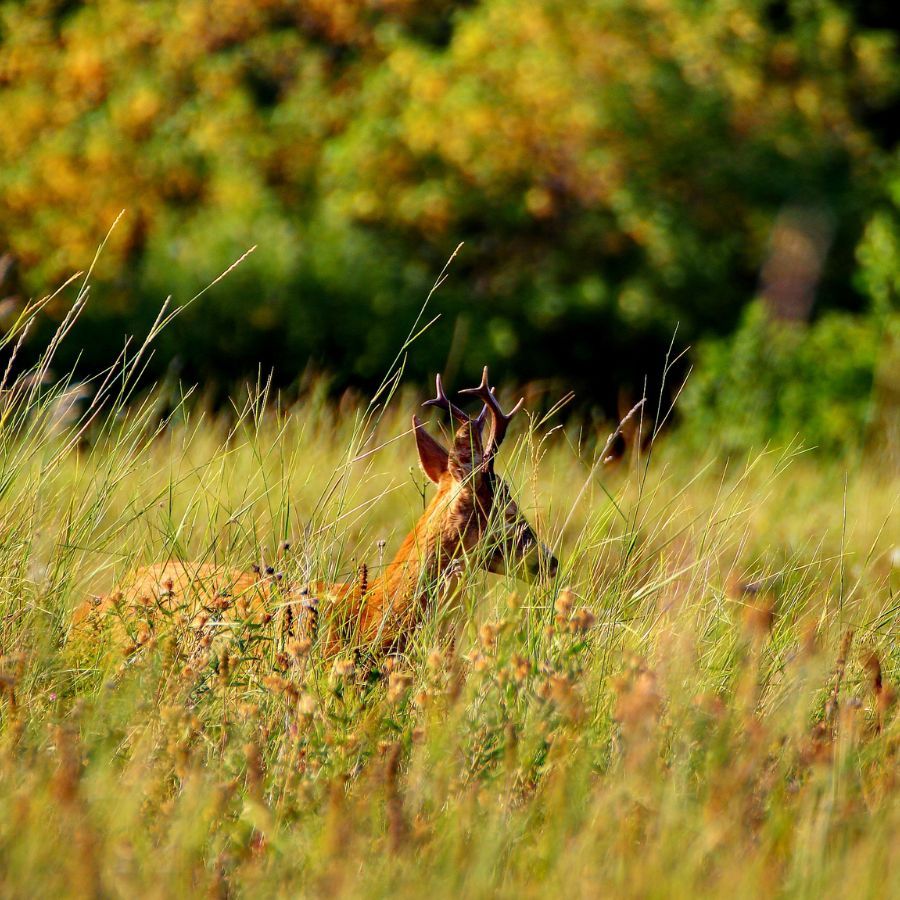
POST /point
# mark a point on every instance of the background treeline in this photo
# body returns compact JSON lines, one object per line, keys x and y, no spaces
{"x":615,"y":168}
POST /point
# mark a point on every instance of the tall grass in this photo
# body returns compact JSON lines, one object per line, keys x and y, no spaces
{"x":701,"y":702}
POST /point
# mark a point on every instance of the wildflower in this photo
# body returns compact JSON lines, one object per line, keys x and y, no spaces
{"x":274,"y":683}
{"x":560,"y":687}
{"x":299,"y":648}
{"x":521,"y":668}
{"x":398,"y":684}
{"x":343,"y":668}
{"x":560,"y":690}
{"x":488,"y":635}
{"x":564,"y":603}
{"x":582,"y":621}
{"x":306,"y":705}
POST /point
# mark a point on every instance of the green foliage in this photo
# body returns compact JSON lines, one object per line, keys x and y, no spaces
{"x":879,"y":250}
{"x":775,"y":381}
{"x":614,"y":169}
{"x":833,"y":383}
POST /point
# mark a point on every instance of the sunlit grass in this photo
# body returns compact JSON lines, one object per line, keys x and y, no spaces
{"x":701,"y":702}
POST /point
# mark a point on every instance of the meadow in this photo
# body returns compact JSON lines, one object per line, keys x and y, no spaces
{"x":701,"y":702}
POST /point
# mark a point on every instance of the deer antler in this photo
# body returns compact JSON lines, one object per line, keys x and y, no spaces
{"x":442,"y":401}
{"x":499,"y":420}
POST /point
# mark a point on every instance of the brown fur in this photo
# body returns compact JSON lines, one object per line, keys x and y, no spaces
{"x":379,"y":613}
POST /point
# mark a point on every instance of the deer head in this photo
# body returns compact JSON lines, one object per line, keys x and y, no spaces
{"x":474,"y":514}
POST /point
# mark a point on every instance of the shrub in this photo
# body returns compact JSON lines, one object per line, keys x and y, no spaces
{"x":774,"y":381}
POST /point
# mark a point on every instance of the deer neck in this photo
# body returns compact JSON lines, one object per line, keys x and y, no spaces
{"x":421,"y":564}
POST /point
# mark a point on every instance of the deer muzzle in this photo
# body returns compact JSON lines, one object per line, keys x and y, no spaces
{"x":541,"y":562}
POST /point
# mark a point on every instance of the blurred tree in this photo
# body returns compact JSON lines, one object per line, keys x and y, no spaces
{"x":615,"y":168}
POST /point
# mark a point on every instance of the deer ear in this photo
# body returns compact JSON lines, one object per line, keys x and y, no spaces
{"x":467,"y":454}
{"x":432,"y":456}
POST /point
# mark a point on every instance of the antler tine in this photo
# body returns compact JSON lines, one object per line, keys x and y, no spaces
{"x":499,"y":419}
{"x":442,"y":401}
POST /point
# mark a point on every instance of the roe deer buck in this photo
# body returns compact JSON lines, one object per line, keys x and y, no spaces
{"x":472,"y":517}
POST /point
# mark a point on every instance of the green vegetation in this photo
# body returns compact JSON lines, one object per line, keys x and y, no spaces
{"x":614,"y":168}
{"x":832,"y":383}
{"x":702,"y":703}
